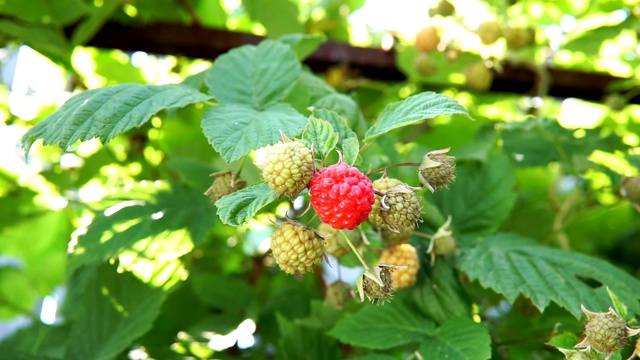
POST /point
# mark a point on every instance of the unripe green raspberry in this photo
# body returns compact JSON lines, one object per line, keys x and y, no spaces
{"x":427,"y":39}
{"x":296,"y":248}
{"x":404,"y":255}
{"x":338,"y":293}
{"x":224,"y":183}
{"x":489,"y":32}
{"x":437,"y":169}
{"x":444,"y":8}
{"x":400,"y":209}
{"x":392,"y":238}
{"x":605,"y":332}
{"x":519,"y":37}
{"x":478,"y":77}
{"x":288,"y":167}
{"x":424,"y":64}
{"x":381,"y":185}
{"x":334,"y":242}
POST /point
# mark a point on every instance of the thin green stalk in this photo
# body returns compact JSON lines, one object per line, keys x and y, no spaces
{"x":353,"y":248}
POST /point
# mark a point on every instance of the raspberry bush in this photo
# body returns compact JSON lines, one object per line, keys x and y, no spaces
{"x":263,"y":206}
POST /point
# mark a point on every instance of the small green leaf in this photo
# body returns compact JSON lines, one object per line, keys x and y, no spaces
{"x":254,"y":75}
{"x":481,"y":197}
{"x":338,"y":122}
{"x":234,"y":130}
{"x":412,"y":110}
{"x":350,"y":150}
{"x":107,"y":112}
{"x":618,"y":305}
{"x":239,"y":207}
{"x":566,"y":340}
{"x":383,"y":327}
{"x":302,"y":44}
{"x":320,"y":133}
{"x":513,"y":265}
{"x":458,"y":339}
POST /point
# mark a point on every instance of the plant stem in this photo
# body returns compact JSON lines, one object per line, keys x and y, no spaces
{"x":353,"y":248}
{"x":408,"y":163}
{"x":423,"y":235}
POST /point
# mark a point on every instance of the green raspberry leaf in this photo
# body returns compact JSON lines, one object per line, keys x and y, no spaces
{"x":239,"y":207}
{"x":254,"y":75}
{"x":338,"y":122}
{"x":513,"y":265}
{"x":413,"y":110}
{"x":107,"y":112}
{"x":320,"y":133}
{"x":234,"y":130}
{"x":383,"y":327}
{"x":302,"y":44}
{"x":459,"y":338}
{"x":350,"y":150}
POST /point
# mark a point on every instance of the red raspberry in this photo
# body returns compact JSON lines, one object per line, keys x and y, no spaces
{"x":341,"y":195}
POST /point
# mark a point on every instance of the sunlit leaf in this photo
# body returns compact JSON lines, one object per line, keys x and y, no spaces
{"x":412,"y":110}
{"x":106,"y":112}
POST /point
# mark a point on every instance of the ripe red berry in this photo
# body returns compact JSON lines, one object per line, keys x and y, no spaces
{"x":341,"y":195}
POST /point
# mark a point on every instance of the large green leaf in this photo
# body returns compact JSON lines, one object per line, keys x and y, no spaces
{"x":239,"y":207}
{"x":116,"y":308}
{"x":162,"y":223}
{"x":107,"y":112}
{"x":458,"y":339}
{"x":383,"y":327}
{"x":254,"y":75}
{"x":234,"y":130}
{"x":412,"y":110}
{"x":481,"y":197}
{"x":513,"y":265}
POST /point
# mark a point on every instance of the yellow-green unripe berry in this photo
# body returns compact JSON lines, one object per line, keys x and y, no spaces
{"x":288,"y":167}
{"x":296,"y":248}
